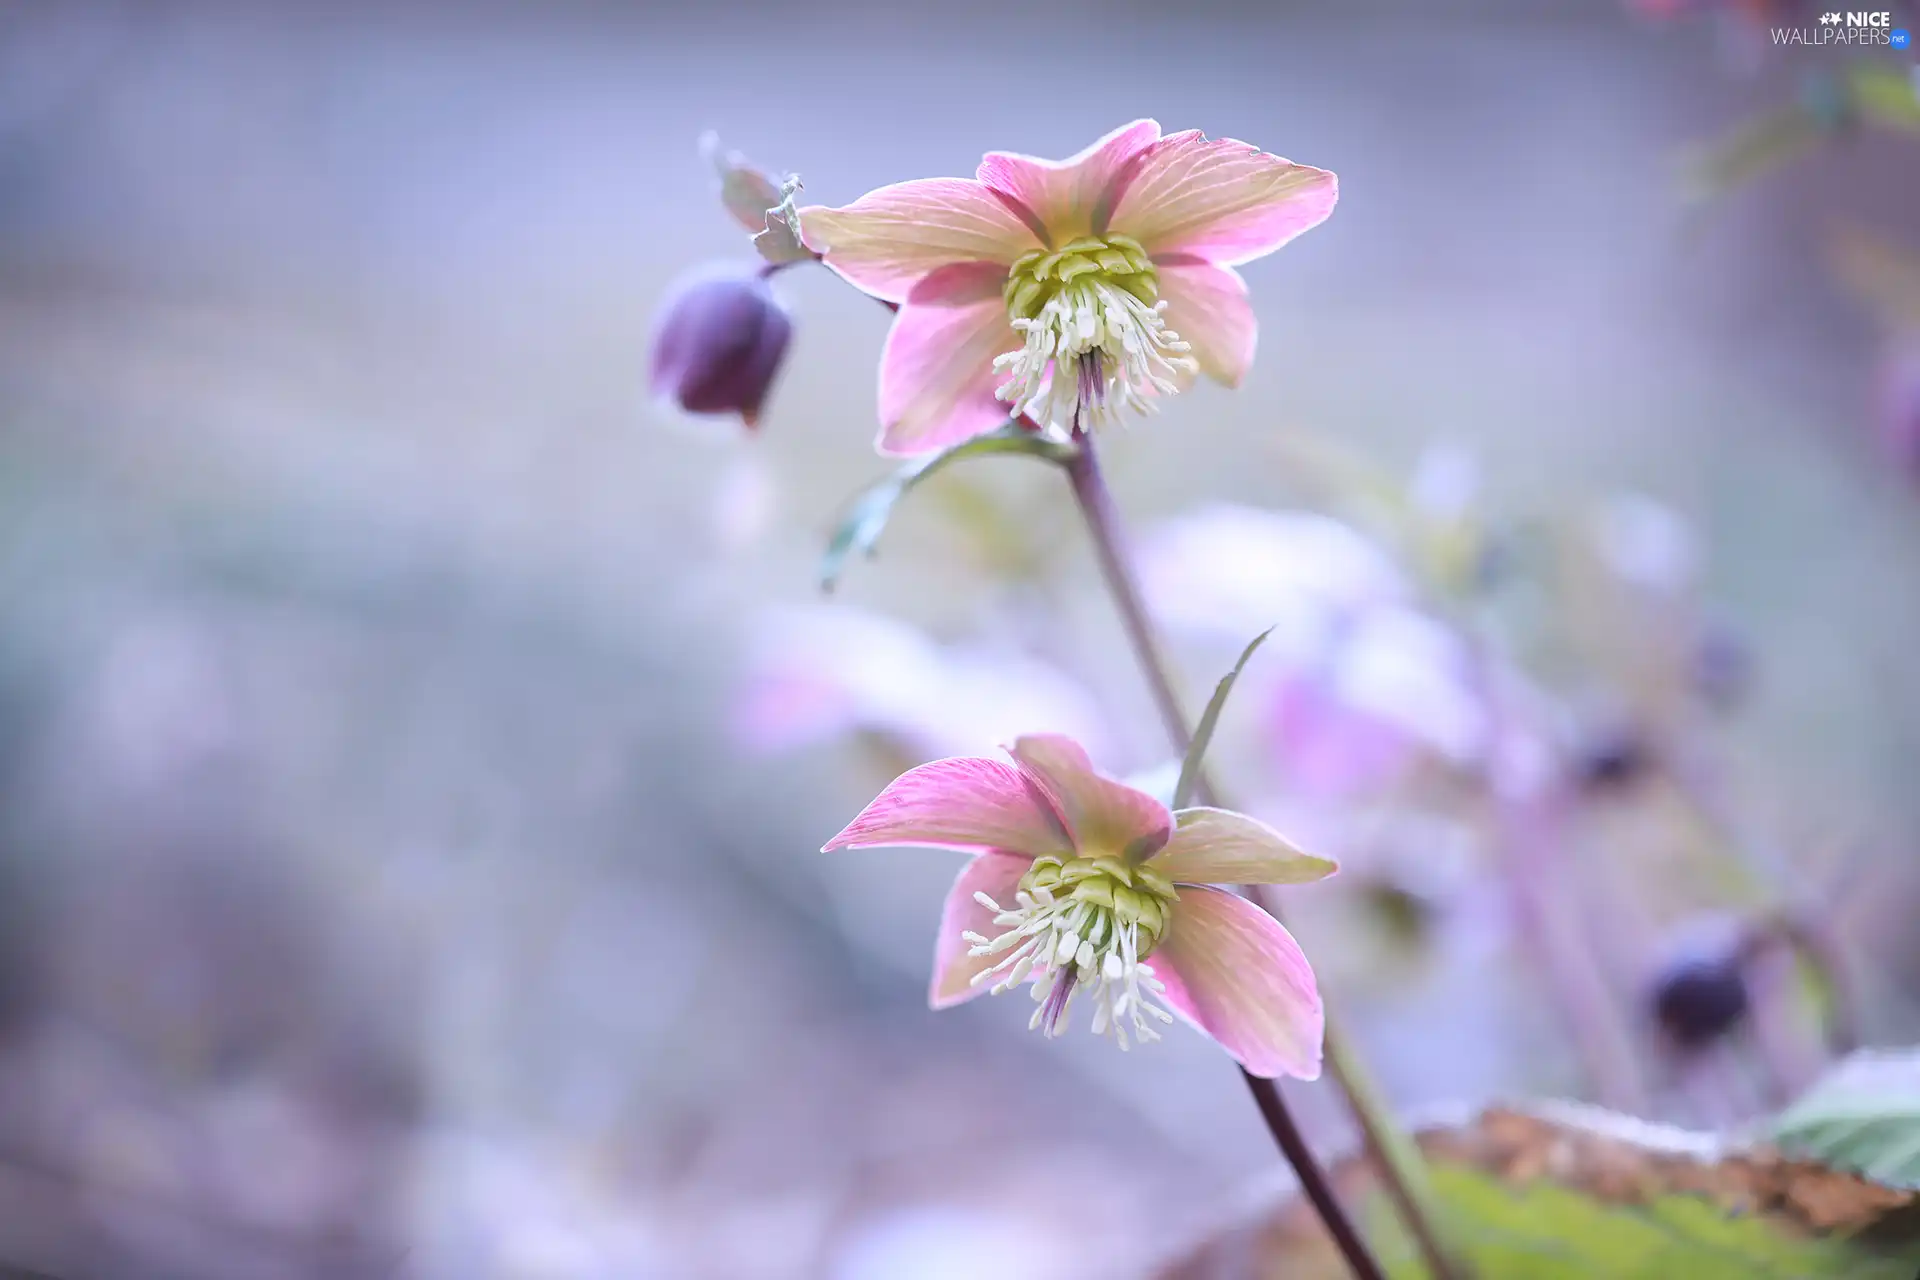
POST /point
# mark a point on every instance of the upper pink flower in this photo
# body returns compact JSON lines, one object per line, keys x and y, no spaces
{"x":1066,"y":288}
{"x":1079,"y":879}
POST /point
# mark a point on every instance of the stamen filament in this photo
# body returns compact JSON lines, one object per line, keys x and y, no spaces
{"x":1089,"y":941}
{"x":1094,"y":336}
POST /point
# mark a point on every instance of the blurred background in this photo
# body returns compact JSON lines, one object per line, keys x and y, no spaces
{"x":415,"y":741}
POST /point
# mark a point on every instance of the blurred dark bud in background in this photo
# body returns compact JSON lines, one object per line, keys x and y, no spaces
{"x":1701,"y":995}
{"x":720,"y":342}
{"x":1612,"y":759}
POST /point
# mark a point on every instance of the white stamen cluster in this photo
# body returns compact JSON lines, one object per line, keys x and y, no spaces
{"x":1085,"y":924}
{"x":1095,"y":335}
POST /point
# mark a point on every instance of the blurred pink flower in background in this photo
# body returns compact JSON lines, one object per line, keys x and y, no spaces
{"x":1648,"y":545}
{"x":1066,"y":289}
{"x":1355,"y":683}
{"x":1900,"y":404}
{"x":1446,"y":482}
{"x":816,"y":675}
{"x":1239,"y":570}
{"x":1079,"y":879}
{"x":1392,"y":685}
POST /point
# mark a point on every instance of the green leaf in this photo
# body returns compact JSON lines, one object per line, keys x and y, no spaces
{"x":1886,"y":95}
{"x":1864,"y":1117}
{"x":1762,"y":144}
{"x":1209,"y":720}
{"x":1874,"y":93}
{"x":866,"y":516}
{"x":1558,"y":1191}
{"x":758,"y":203}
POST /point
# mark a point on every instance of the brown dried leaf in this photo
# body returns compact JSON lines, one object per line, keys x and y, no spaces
{"x":1611,"y":1178}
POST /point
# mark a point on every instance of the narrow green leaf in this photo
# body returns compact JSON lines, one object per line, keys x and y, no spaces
{"x":1197,"y":750}
{"x":867,"y":515}
{"x":1864,"y":1117}
{"x":1759,"y":146}
{"x":1887,"y":95}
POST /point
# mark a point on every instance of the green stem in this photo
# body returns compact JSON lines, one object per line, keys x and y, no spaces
{"x":1702,"y":790}
{"x":1393,"y":1155}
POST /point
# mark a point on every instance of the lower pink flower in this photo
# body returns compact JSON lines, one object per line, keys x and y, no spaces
{"x":1090,"y":890}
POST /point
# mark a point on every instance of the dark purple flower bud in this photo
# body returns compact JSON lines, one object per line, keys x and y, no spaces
{"x":1698,"y":998}
{"x":1612,"y":759}
{"x":719,"y":343}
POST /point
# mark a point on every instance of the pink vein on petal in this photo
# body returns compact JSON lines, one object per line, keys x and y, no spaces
{"x":962,"y":803}
{"x":936,"y":374}
{"x":1219,"y":846}
{"x":1223,"y":200}
{"x":888,"y":240}
{"x":1071,"y":197}
{"x":997,"y":875}
{"x":1207,"y":306}
{"x":1235,"y":973}
{"x":1105,"y":817}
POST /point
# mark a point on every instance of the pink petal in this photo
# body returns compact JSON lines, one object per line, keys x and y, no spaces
{"x":1207,"y":306}
{"x":1223,"y":200}
{"x":1236,"y":974}
{"x":1105,"y":817}
{"x":962,"y":803}
{"x":996,"y":875}
{"x":1070,"y":198}
{"x":936,"y":374}
{"x":1218,"y":846}
{"x":889,"y":239}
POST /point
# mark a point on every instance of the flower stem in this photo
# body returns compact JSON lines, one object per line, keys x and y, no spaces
{"x":1273,"y":1108}
{"x":1395,"y":1160}
{"x":1702,"y":789}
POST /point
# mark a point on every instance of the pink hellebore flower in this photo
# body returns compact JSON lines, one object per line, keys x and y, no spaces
{"x":1066,"y":289}
{"x":1079,"y":880}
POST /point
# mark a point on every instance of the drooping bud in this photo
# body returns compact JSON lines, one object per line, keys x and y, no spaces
{"x":719,"y":343}
{"x":1613,"y":759}
{"x":1701,"y":1000}
{"x":1701,"y":993}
